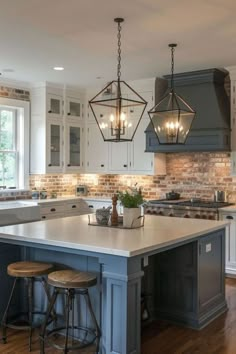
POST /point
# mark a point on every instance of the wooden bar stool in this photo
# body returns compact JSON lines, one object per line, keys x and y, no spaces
{"x":31,"y":272}
{"x":71,"y":283}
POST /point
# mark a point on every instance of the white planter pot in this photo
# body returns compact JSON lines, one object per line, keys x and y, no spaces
{"x":131,"y":217}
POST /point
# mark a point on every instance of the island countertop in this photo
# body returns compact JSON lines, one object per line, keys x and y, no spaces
{"x":75,"y":233}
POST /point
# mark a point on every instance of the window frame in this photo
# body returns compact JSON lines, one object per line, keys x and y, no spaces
{"x":22,"y":138}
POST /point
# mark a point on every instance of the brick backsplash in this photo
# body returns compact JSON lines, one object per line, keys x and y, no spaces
{"x":15,"y":93}
{"x":191,"y":174}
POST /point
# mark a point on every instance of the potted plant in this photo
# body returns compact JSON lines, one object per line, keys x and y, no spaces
{"x":131,"y":202}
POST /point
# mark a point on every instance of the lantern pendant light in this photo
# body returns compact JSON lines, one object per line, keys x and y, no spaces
{"x":172,"y":117}
{"x":117,"y":108}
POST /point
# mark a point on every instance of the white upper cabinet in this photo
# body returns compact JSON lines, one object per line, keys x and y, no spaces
{"x":56,"y":137}
{"x":73,"y":147}
{"x":124,"y":157}
{"x":54,"y":146}
{"x":54,"y":104}
{"x":96,"y":150}
{"x":74,"y":106}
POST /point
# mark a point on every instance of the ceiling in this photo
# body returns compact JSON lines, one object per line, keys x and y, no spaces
{"x":81,"y":36}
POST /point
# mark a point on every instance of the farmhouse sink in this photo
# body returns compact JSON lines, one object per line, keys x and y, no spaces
{"x":18,"y":212}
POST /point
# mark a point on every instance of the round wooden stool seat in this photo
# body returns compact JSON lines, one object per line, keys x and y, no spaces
{"x":29,"y":269}
{"x":72,"y":279}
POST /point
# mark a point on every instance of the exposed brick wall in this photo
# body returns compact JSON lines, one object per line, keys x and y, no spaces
{"x":15,"y":93}
{"x":191,"y":174}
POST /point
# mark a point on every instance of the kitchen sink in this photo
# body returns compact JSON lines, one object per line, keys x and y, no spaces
{"x":18,"y":212}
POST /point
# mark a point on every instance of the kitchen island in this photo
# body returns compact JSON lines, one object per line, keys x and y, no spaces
{"x":188,"y":272}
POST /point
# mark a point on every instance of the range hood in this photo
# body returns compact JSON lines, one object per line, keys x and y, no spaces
{"x":205,"y":92}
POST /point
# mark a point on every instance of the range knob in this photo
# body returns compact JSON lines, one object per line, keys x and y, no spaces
{"x":186,"y":216}
{"x":197,"y":216}
{"x":171,"y":214}
{"x":204,"y":216}
{"x":148,"y":211}
{"x":160,"y":213}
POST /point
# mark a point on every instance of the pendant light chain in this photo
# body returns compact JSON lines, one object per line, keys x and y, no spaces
{"x":119,"y":52}
{"x":111,"y":106}
{"x":172,"y":67}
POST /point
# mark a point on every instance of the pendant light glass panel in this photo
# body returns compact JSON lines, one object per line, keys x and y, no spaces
{"x":172,"y":119}
{"x":118,"y":110}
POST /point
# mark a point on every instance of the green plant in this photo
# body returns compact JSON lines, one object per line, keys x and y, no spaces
{"x":130,"y":200}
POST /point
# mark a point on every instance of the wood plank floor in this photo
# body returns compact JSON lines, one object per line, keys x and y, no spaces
{"x":219,"y":337}
{"x":162,"y":338}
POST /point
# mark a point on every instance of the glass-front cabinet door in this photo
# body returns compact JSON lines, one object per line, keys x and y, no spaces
{"x":54,"y":146}
{"x":73,"y":147}
{"x":74,"y":108}
{"x":54,"y":105}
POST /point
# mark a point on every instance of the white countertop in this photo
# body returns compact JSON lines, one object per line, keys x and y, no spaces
{"x":74,"y":232}
{"x":231,"y":208}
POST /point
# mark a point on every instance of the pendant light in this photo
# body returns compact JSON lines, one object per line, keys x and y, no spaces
{"x":172,"y":117}
{"x":117,"y":108}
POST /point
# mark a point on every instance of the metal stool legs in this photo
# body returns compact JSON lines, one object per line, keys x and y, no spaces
{"x":69,"y":307}
{"x":29,"y":326}
{"x":4,"y":319}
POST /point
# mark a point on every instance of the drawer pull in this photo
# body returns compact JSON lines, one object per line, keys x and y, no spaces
{"x":73,"y":206}
{"x":229,"y":217}
{"x":53,"y":209}
{"x":91,"y":206}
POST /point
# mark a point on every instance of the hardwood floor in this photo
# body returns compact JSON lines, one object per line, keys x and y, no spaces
{"x":219,"y":337}
{"x":162,"y":338}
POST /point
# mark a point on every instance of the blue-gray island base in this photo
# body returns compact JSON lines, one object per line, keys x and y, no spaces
{"x":185,"y":272}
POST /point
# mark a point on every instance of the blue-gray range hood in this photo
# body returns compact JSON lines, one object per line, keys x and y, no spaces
{"x":204,"y":91}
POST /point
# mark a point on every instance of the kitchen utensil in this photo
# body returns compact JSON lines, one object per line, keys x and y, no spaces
{"x":172,"y":195}
{"x":220,"y":196}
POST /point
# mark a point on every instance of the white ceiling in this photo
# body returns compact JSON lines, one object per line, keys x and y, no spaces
{"x":36,"y":35}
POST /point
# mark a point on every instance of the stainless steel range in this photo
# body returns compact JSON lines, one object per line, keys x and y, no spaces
{"x":194,"y":208}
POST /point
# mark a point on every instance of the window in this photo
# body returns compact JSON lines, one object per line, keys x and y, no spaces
{"x":14,"y":143}
{"x":8,"y":148}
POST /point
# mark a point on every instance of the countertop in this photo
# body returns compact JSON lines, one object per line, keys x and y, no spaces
{"x":231,"y":208}
{"x":74,"y":232}
{"x":68,"y":198}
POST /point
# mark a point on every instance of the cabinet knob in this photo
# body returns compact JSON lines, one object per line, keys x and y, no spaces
{"x":68,"y":165}
{"x":49,"y":164}
{"x":68,"y":113}
{"x":101,"y":115}
{"x":102,"y":165}
{"x":229,"y":217}
{"x":73,"y":206}
{"x":91,"y":206}
{"x":49,"y":111}
{"x":124,"y":165}
{"x":43,"y":217}
{"x":53,"y":209}
{"x":131,"y":111}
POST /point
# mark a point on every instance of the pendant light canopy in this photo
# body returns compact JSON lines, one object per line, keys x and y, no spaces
{"x":117,"y":108}
{"x":172,"y":117}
